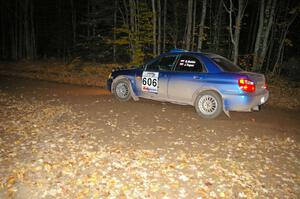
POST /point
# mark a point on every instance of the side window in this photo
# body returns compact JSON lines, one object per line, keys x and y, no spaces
{"x":189,"y":63}
{"x":166,"y":63}
{"x":153,"y":66}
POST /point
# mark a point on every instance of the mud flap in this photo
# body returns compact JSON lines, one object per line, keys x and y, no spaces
{"x":256,"y":108}
{"x":225,"y":111}
{"x":134,"y":97}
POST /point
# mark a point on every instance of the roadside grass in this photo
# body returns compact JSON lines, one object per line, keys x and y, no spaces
{"x":76,"y":72}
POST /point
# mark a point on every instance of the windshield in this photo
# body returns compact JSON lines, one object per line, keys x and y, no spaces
{"x":225,"y":64}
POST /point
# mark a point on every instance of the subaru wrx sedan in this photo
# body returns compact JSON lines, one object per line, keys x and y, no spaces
{"x":209,"y":82}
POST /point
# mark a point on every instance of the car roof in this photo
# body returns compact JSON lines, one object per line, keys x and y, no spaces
{"x":181,"y":53}
{"x":185,"y":52}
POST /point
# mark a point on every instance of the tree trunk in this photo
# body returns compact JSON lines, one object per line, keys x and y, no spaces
{"x":259,"y":34}
{"x":175,"y":34}
{"x":271,"y":45}
{"x":132,"y":10}
{"x":136,"y":24}
{"x":253,"y":29}
{"x":266,"y":36}
{"x":88,"y":14}
{"x":154,"y":27}
{"x":3,"y":46}
{"x":20,"y":32}
{"x":159,"y":27}
{"x":27,"y":30}
{"x":194,"y":25}
{"x":201,"y":26}
{"x":114,"y":30}
{"x":281,"y":44}
{"x":164,"y":25}
{"x":217,"y":26}
{"x":189,"y":25}
{"x":266,"y":21}
{"x":73,"y":16}
{"x":126,"y":12}
{"x":33,"y":43}
{"x":230,"y":10}
{"x":14,"y":30}
{"x":238,"y":21}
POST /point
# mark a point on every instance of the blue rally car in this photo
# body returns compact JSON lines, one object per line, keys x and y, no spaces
{"x":209,"y":82}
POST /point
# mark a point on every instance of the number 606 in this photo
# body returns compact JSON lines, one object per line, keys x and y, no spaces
{"x":150,"y":82}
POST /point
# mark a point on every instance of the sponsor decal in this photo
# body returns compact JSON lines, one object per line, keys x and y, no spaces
{"x":187,"y":63}
{"x":150,"y":82}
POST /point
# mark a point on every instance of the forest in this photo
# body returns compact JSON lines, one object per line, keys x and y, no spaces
{"x":259,"y":35}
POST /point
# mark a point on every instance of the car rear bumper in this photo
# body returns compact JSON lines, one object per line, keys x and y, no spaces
{"x":245,"y":102}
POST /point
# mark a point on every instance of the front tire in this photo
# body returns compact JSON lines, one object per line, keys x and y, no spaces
{"x":208,"y":104}
{"x":122,"y":90}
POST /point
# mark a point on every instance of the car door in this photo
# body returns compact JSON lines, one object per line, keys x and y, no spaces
{"x":188,"y":76}
{"x":154,"y":79}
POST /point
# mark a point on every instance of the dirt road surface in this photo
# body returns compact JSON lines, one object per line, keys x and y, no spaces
{"x":65,"y":141}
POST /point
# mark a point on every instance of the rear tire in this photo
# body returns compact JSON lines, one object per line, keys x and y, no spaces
{"x":122,"y":90}
{"x":208,"y":104}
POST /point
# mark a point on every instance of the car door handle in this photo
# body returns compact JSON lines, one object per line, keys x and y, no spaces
{"x":197,"y":77}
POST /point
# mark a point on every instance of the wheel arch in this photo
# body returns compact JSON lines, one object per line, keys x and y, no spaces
{"x":211,"y":89}
{"x":123,"y":77}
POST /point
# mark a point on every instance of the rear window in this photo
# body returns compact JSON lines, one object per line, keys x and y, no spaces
{"x":226,"y":65}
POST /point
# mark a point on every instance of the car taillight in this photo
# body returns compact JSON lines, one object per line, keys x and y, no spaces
{"x":246,"y":85}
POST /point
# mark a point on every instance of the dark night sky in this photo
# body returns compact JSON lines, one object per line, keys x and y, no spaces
{"x":53,"y":27}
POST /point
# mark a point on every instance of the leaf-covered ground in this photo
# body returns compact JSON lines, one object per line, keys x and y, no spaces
{"x":49,"y":149}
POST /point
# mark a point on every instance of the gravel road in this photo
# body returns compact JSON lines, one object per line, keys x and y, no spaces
{"x":65,"y":141}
